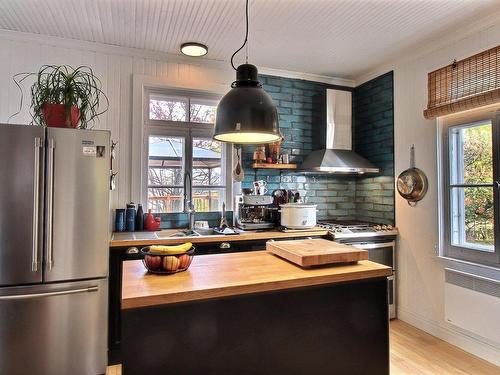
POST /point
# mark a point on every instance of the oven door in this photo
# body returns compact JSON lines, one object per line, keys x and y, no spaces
{"x":379,"y":252}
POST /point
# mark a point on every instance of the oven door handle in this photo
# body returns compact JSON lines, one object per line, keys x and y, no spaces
{"x":369,"y":246}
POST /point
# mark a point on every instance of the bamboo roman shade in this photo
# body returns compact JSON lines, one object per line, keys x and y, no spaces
{"x":466,"y":84}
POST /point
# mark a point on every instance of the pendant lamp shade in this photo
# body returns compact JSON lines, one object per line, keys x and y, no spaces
{"x":247,"y":114}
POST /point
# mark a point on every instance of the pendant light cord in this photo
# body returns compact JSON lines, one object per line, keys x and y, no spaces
{"x":246,"y":38}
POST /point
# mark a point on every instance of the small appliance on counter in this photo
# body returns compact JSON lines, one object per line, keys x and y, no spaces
{"x":254,"y":212}
{"x":298,"y":215}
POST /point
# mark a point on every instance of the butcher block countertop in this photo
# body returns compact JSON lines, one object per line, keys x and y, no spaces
{"x":222,"y":275}
{"x":152,"y":238}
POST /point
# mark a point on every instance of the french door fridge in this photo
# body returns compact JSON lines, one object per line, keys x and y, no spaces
{"x":54,"y":207}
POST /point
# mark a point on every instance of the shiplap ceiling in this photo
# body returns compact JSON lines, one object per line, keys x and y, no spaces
{"x":332,"y":38}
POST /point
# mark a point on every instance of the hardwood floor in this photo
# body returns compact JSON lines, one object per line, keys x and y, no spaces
{"x":414,"y":352}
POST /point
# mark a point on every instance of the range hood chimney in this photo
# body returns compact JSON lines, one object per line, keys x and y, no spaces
{"x":332,"y":137}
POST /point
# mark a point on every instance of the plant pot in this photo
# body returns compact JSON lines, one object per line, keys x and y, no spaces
{"x":55,"y":116}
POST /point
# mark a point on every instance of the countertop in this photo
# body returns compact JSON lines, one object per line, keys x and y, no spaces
{"x":162,"y":237}
{"x":222,"y":275}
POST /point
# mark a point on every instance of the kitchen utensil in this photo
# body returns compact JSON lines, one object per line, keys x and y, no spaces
{"x":298,"y":215}
{"x":130,"y":217}
{"x":238,"y":173}
{"x":260,"y":187}
{"x":164,"y":264}
{"x":151,"y":223}
{"x":278,"y":197}
{"x":139,"y":218}
{"x":296,"y":197}
{"x":120,"y":219}
{"x":315,"y":252}
{"x":412,"y":183}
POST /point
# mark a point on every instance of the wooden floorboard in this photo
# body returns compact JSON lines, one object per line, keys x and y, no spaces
{"x":414,"y":352}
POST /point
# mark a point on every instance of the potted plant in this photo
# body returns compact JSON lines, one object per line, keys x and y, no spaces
{"x":62,"y":96}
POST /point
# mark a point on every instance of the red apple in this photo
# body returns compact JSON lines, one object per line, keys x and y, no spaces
{"x":184,"y":260}
{"x":153,"y":262}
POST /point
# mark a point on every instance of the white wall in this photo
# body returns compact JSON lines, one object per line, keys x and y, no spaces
{"x":420,"y":271}
{"x":116,"y":67}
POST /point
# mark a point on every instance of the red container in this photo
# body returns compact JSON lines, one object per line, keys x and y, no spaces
{"x":55,"y":116}
{"x":152,"y":223}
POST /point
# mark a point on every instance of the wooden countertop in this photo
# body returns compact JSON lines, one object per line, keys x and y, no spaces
{"x":152,"y":238}
{"x":221,"y":275}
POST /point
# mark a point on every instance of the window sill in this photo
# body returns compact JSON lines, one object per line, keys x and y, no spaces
{"x":476,"y":269}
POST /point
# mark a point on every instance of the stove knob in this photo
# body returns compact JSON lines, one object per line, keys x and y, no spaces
{"x":384,"y":227}
{"x":377,"y":227}
{"x":389,"y":227}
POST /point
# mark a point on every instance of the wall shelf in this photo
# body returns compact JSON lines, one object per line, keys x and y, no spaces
{"x":273,"y":166}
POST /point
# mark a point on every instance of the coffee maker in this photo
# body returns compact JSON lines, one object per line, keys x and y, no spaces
{"x":255,"y":212}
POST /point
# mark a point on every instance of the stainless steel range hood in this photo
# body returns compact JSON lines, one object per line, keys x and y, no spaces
{"x":333,"y":138}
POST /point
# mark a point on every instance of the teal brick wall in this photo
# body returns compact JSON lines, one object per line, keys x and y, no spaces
{"x":373,"y":138}
{"x":334,"y":195}
{"x":342,"y":197}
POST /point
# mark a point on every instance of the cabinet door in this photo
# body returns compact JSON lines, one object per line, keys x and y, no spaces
{"x":21,"y":171}
{"x":77,"y":200}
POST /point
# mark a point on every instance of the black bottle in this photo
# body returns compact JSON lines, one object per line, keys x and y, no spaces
{"x":139,"y":218}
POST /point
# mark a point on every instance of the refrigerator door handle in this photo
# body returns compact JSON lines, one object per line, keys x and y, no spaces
{"x":50,"y":203}
{"x":36,"y":204}
{"x":93,"y":288}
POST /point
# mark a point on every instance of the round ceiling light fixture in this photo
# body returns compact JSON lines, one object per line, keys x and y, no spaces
{"x":246,"y":114}
{"x":194,"y":49}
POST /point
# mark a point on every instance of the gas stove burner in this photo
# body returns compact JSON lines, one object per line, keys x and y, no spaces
{"x":356,"y":229}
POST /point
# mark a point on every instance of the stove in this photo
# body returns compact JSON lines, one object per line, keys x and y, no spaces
{"x":377,"y":239}
{"x":356,"y":229}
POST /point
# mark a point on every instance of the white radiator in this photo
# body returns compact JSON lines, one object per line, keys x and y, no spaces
{"x":473,"y":303}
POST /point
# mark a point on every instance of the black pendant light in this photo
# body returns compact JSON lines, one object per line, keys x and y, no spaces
{"x":246,"y":114}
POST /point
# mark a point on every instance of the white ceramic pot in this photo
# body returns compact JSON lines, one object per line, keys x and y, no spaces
{"x":298,"y":215}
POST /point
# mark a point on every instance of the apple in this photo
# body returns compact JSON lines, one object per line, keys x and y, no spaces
{"x":184,"y":260}
{"x":153,"y":262}
{"x":171,"y":263}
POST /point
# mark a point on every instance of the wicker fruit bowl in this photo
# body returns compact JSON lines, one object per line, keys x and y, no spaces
{"x":165,"y":264}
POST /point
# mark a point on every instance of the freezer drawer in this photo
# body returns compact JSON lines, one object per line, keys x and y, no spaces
{"x":21,"y":192}
{"x":77,"y":204}
{"x":54,"y":329}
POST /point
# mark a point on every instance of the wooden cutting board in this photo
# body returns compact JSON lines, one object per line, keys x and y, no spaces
{"x":315,"y":252}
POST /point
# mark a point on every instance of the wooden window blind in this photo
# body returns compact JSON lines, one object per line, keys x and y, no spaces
{"x":466,"y":84}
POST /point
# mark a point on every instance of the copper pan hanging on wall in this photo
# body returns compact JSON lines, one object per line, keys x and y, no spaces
{"x":412,"y":183}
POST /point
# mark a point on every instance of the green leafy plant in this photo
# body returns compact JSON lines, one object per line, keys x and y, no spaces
{"x":77,"y":87}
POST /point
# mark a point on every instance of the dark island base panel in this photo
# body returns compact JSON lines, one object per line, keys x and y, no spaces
{"x":336,"y":329}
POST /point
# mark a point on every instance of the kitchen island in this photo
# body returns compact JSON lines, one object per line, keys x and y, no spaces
{"x":254,"y":313}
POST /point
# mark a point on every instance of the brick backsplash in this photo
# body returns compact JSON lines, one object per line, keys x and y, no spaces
{"x":342,"y":197}
{"x":334,"y":195}
{"x":373,"y":136}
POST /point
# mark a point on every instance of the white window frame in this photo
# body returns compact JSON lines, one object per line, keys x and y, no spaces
{"x":188,"y":131}
{"x":447,"y":249}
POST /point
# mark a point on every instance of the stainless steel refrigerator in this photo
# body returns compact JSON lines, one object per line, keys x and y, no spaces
{"x":54,"y":207}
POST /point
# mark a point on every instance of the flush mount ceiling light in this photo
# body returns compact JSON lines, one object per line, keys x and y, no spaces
{"x":246,"y":114}
{"x":194,"y":49}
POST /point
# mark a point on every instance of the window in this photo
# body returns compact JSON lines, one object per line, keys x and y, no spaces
{"x":179,"y":149}
{"x":469,"y":210}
